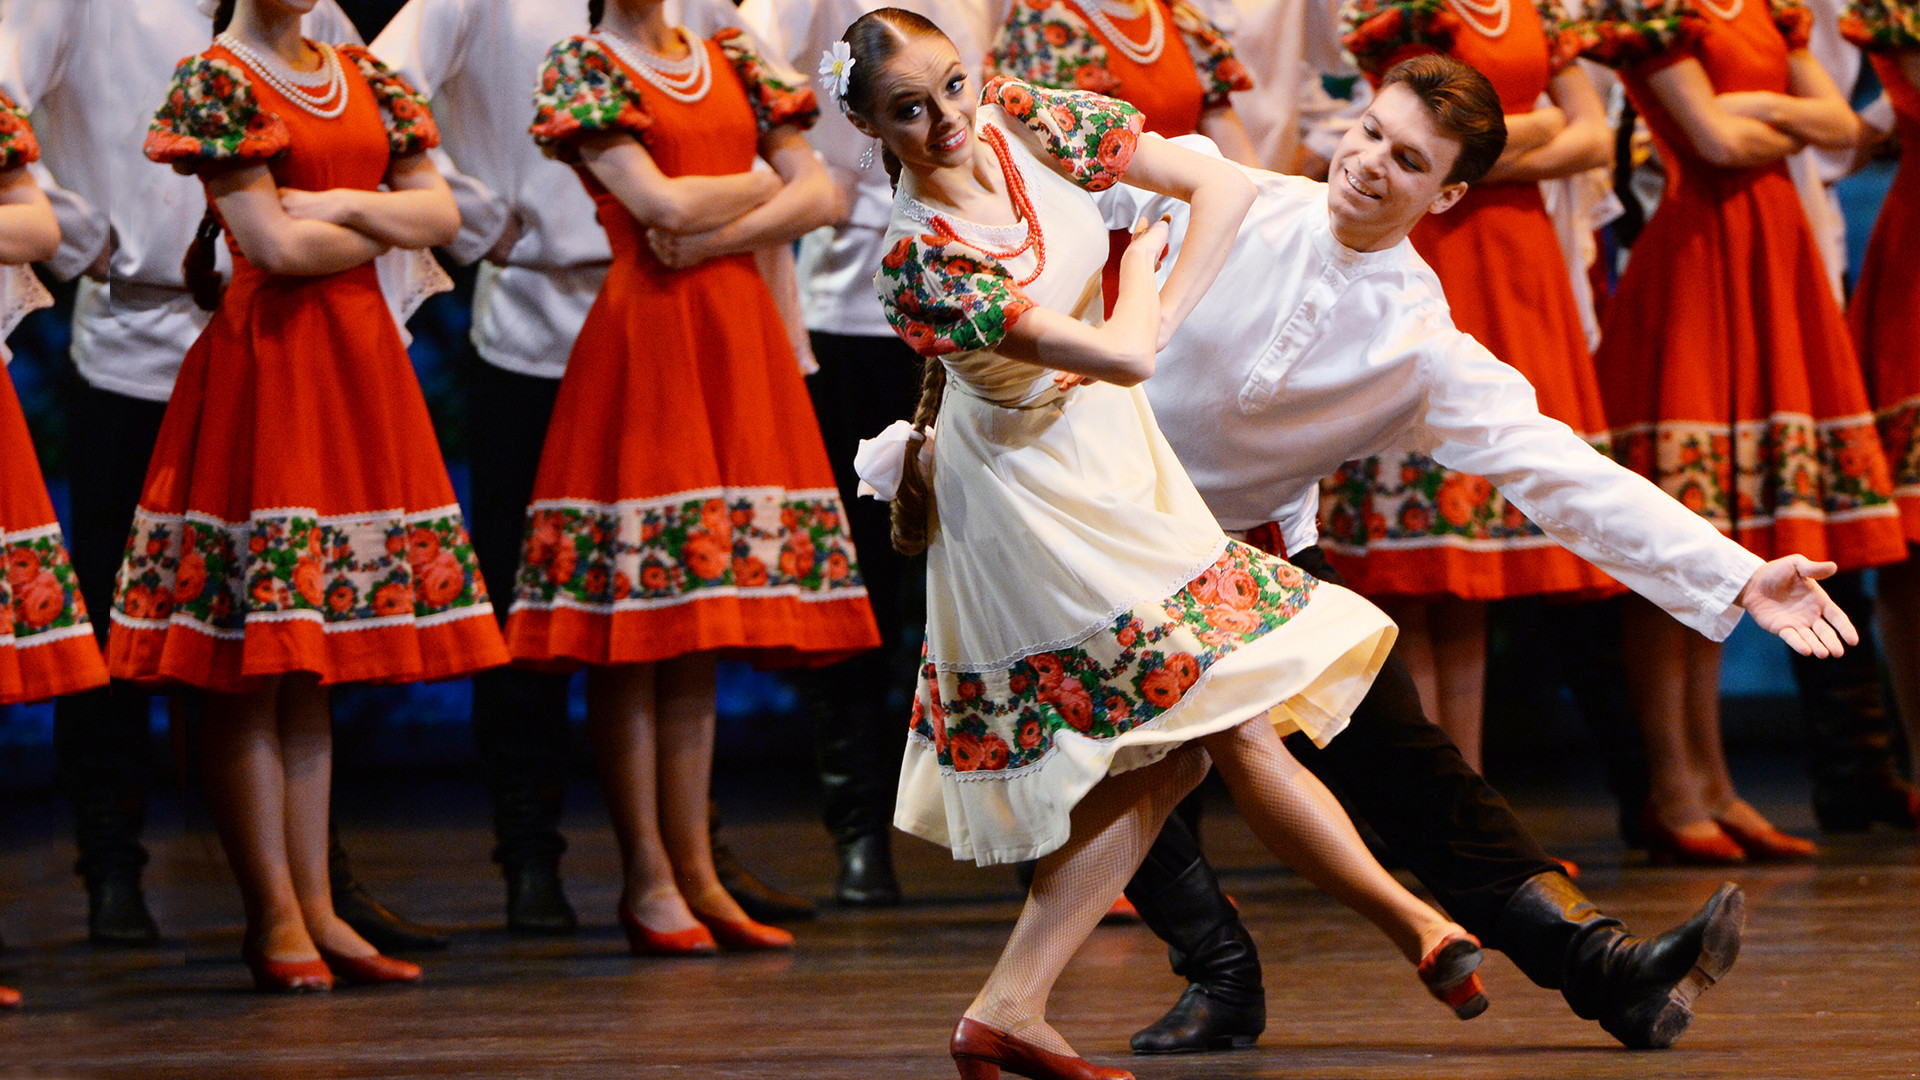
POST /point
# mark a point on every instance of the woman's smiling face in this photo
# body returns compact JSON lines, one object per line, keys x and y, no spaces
{"x":923,"y":106}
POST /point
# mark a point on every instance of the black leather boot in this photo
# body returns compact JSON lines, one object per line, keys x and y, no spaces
{"x":857,"y":740}
{"x":866,"y":872}
{"x":761,"y":902}
{"x":117,"y":910}
{"x":536,"y":901}
{"x":102,"y":745}
{"x":1178,"y":897}
{"x":1641,"y":990}
{"x":369,"y":917}
{"x":526,"y":821}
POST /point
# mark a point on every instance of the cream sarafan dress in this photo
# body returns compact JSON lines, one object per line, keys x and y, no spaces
{"x":1085,"y":614}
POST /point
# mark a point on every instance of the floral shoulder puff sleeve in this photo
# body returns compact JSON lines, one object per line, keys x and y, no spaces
{"x":211,"y":117}
{"x":776,"y":97}
{"x":1563,"y":40}
{"x":1642,"y":34}
{"x":17,"y":143}
{"x":583,"y":92}
{"x":1221,"y":73}
{"x":1882,"y":25}
{"x":943,"y":297}
{"x":1794,"y":20}
{"x":1092,"y":137}
{"x":1380,"y":33}
{"x":410,"y":126}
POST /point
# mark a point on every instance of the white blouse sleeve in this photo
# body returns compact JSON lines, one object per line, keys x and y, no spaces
{"x":1482,"y":418}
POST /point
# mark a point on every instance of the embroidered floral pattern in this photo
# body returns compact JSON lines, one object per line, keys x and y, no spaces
{"x":1128,"y":675}
{"x":1793,"y":20}
{"x":410,"y":126}
{"x":1899,"y":429}
{"x":1623,"y":33}
{"x":776,"y":100}
{"x":39,"y":589}
{"x":1048,"y":43}
{"x":942,"y":297}
{"x":1786,"y":466}
{"x":1378,"y":34}
{"x":1563,"y":43}
{"x":17,"y":143}
{"x":582,"y":92}
{"x":1367,"y":502}
{"x":1882,"y":25}
{"x":212,"y":115}
{"x":1221,"y":73}
{"x":1093,"y":136}
{"x":345,"y":572}
{"x":601,"y":556}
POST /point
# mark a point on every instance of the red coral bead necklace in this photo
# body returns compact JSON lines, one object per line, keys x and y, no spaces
{"x":1022,"y":205}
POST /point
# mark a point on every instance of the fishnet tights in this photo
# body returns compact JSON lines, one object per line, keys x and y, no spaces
{"x":1298,"y":819}
{"x":1072,"y":889}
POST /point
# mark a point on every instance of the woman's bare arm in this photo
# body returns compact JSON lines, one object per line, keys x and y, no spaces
{"x":28,"y":229}
{"x":1119,"y":351}
{"x":1583,"y":142}
{"x":278,"y":243}
{"x":682,"y":204}
{"x":1812,"y":111}
{"x":1722,"y":137}
{"x":417,"y":212}
{"x":806,"y":200}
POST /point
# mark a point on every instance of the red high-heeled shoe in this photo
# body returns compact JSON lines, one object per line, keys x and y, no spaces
{"x":980,"y":1052}
{"x":643,"y":940}
{"x":9,"y":998}
{"x":286,"y":976}
{"x":371,"y":969}
{"x":746,"y":935}
{"x":1665,"y":847}
{"x":1768,"y":844}
{"x":1451,"y":974}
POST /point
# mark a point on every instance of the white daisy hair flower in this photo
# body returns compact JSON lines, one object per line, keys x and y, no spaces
{"x":836,"y":72}
{"x":209,"y":8}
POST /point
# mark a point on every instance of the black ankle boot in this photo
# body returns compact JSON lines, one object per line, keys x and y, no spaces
{"x":1852,"y":738}
{"x":536,"y":901}
{"x":761,"y":902}
{"x":1641,"y":990}
{"x":1178,"y":897}
{"x":866,"y":872}
{"x":117,"y":911}
{"x":369,"y":917}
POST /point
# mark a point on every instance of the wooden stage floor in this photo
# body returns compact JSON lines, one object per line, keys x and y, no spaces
{"x":1828,"y":983}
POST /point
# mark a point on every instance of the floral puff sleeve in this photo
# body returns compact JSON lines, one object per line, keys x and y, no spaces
{"x":1221,"y":73}
{"x":776,"y":98}
{"x":1794,"y":20}
{"x":1563,"y":40}
{"x":212,"y":117}
{"x":410,"y":126}
{"x":1644,"y":34}
{"x":17,"y":144}
{"x":583,"y":92}
{"x":943,"y":298}
{"x":1882,"y":25}
{"x":1047,"y":43}
{"x":1092,"y":137}
{"x":1380,"y":33}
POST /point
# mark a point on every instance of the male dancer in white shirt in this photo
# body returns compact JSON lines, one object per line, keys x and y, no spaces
{"x":542,"y":256}
{"x":93,"y":71}
{"x":1325,"y":339}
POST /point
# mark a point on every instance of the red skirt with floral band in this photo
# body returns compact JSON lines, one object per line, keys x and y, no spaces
{"x":47,"y":646}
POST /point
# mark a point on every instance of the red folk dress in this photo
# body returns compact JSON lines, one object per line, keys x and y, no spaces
{"x":47,"y":647}
{"x":1499,"y":262}
{"x":1727,"y":370}
{"x":297,"y":515}
{"x":1885,"y":312}
{"x":684,"y":501}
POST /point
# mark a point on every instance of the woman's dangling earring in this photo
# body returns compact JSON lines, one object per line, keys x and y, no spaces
{"x":866,"y":159}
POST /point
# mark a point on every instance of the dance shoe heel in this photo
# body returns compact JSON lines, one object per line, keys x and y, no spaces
{"x":1666,"y":847}
{"x":643,"y":940}
{"x":9,"y":998}
{"x":746,"y":935}
{"x":980,"y":1052}
{"x":287,"y":976}
{"x":371,"y":969}
{"x":1450,"y":973}
{"x":1768,"y":844}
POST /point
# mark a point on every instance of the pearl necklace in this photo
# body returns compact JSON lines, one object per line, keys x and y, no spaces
{"x":1140,"y":53}
{"x":686,"y":80}
{"x":1729,"y":12}
{"x":297,"y":86}
{"x":1474,"y":11}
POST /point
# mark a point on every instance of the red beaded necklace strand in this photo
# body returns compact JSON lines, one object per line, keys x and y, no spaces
{"x":1022,"y":204}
